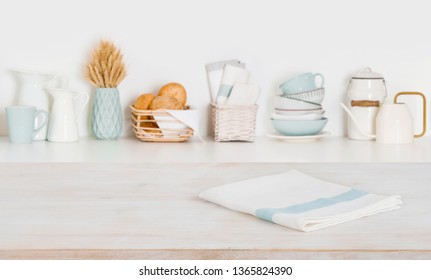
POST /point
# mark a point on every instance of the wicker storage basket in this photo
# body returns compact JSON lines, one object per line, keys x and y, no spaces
{"x":234,"y":123}
{"x":158,"y":126}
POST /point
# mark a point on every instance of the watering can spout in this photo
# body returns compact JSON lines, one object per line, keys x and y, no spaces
{"x":356,"y":122}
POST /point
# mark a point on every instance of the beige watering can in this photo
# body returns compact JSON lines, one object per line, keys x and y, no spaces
{"x":394,"y":122}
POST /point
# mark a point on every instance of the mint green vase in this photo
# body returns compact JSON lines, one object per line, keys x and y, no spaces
{"x":107,"y":121}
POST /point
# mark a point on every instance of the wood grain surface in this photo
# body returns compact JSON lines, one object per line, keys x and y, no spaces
{"x":151,"y":211}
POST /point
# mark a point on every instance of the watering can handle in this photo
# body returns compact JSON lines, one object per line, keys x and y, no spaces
{"x":87,"y":97}
{"x":424,"y":116}
{"x":355,"y":121}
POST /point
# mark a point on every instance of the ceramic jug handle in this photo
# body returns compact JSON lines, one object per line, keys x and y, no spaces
{"x":45,"y":114}
{"x":321,"y":77}
{"x":63,"y":81}
{"x":424,"y":115}
{"x":87,"y":97}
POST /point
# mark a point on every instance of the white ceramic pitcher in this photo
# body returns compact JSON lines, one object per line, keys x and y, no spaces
{"x":31,"y":92}
{"x":394,"y":122}
{"x":63,"y":122}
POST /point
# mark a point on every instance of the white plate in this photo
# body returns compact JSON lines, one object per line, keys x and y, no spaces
{"x":285,"y":103}
{"x":299,"y":139}
{"x":298,"y":112}
{"x":305,"y":117}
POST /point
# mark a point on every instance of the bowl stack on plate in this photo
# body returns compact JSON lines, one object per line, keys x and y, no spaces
{"x":298,"y":110}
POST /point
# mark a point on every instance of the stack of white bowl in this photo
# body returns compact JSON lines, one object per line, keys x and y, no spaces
{"x":298,"y":110}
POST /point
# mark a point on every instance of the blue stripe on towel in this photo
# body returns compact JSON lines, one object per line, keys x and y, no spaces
{"x":224,"y":90}
{"x":268,"y":213}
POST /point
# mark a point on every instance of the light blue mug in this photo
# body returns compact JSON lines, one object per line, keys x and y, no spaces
{"x":21,"y":122}
{"x":302,"y":83}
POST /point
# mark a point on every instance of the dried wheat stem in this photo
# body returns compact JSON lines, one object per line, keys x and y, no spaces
{"x":106,"y":68}
{"x":91,"y":75}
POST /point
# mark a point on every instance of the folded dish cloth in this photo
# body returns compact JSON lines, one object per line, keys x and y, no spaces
{"x":189,"y":118}
{"x":299,"y":201}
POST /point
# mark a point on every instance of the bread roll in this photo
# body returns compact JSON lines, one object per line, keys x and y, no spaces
{"x":143,"y":101}
{"x":175,"y":90}
{"x":149,"y":125}
{"x":166,"y":102}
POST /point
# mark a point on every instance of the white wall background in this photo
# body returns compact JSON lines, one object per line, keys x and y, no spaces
{"x":172,"y":40}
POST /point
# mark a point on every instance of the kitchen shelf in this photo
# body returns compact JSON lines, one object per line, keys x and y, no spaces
{"x":264,"y":149}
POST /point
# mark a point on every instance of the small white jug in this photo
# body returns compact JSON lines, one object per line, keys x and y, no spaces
{"x":394,"y":122}
{"x":63,"y":125}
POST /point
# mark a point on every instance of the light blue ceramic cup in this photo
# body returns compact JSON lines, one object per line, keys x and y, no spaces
{"x":302,"y":83}
{"x":21,"y":122}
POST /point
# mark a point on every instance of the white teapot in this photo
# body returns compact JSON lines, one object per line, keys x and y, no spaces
{"x":394,"y":122}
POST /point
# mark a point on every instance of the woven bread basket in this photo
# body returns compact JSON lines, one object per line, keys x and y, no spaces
{"x":158,"y":126}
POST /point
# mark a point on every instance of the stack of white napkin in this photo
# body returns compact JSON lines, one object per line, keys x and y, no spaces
{"x":229,"y":83}
{"x":299,"y":201}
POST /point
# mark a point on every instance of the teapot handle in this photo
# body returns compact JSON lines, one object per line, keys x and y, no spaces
{"x":87,"y":97}
{"x":424,"y":116}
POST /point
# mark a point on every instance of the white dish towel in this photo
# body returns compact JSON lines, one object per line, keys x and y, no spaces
{"x":299,"y":201}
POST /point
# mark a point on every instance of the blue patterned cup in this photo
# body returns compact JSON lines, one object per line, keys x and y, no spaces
{"x":302,"y":83}
{"x":21,"y":122}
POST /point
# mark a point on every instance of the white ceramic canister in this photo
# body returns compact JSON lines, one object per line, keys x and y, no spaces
{"x":365,"y":94}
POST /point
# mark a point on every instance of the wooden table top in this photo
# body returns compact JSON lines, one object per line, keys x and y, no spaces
{"x":332,"y":149}
{"x":151,"y":211}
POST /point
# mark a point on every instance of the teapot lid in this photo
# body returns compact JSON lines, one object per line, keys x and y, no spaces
{"x":367,"y":73}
